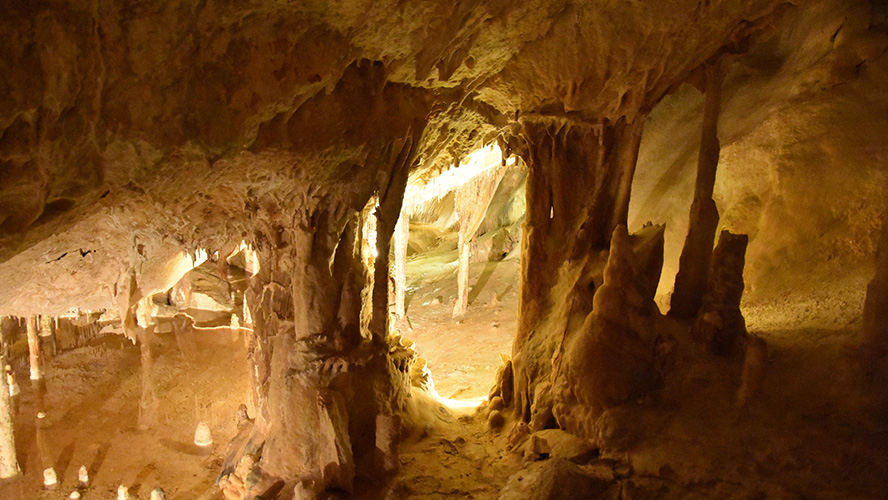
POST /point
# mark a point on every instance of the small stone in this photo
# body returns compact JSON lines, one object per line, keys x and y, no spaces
{"x":123,"y":493}
{"x":202,"y":436}
{"x":41,"y":414}
{"x":50,"y":480}
{"x":75,"y":495}
{"x":158,"y":494}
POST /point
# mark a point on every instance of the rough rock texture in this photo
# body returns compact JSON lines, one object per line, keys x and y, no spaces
{"x":802,"y":163}
{"x":557,"y":479}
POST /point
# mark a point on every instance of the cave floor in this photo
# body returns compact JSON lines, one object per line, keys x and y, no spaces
{"x":463,"y":353}
{"x":92,"y":407}
{"x":816,"y":429}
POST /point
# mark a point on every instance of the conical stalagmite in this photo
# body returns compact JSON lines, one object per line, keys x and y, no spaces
{"x":611,"y":360}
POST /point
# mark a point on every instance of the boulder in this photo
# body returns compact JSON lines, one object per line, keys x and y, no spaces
{"x":557,"y":479}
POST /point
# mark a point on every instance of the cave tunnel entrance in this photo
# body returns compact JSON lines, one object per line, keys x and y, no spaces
{"x":459,"y":276}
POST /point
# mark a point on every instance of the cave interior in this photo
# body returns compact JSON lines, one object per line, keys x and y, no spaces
{"x":550,"y":249}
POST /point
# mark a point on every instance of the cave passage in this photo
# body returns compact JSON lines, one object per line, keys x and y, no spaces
{"x":462,"y":259}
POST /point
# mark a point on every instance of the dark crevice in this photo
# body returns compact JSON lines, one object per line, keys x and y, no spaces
{"x":832,"y":39}
{"x":60,"y":257}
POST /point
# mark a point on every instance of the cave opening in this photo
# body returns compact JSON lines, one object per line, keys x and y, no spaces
{"x":459,"y":278}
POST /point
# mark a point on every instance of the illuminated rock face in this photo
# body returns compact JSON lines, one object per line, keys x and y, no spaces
{"x":132,"y":131}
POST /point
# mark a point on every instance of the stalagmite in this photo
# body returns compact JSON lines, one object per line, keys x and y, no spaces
{"x":47,"y":332}
{"x":472,"y":201}
{"x":202,"y":435}
{"x":83,"y":477}
{"x":123,"y":493}
{"x":690,"y":282}
{"x":611,"y":360}
{"x":577,"y":174}
{"x":36,"y":355}
{"x":50,"y":479}
{"x":8,"y":462}
{"x":14,"y":388}
{"x":402,"y":234}
{"x":148,"y":401}
{"x":720,"y":323}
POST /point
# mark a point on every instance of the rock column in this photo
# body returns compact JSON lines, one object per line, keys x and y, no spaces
{"x":472,"y":200}
{"x":36,"y":355}
{"x":402,"y":235}
{"x":8,"y":463}
{"x":693,"y":270}
{"x":578,"y":174}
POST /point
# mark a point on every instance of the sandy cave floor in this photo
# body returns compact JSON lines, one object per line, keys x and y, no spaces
{"x":91,"y":402}
{"x":816,"y":429}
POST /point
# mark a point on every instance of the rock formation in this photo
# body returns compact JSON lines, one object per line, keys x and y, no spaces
{"x":692,"y":277}
{"x":720,"y":323}
{"x":610,"y":361}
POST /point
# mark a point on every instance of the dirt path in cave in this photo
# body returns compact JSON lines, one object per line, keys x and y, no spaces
{"x":463,"y":353}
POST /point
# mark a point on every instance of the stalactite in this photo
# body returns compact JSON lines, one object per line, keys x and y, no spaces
{"x":693,"y":271}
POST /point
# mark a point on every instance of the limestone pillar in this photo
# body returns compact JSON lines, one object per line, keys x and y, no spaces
{"x":148,"y":400}
{"x":462,"y":273}
{"x":472,"y":200}
{"x":578,"y":174}
{"x":8,"y":462}
{"x":36,"y":355}
{"x":402,"y":235}
{"x":693,"y":270}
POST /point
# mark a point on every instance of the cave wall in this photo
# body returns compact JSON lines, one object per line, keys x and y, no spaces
{"x":802,"y":167}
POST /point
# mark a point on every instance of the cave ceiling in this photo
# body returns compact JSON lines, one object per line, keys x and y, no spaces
{"x":132,"y":130}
